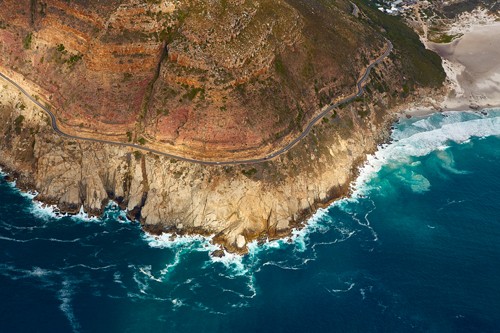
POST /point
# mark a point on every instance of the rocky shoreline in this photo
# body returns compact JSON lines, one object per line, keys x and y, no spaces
{"x":240,"y":203}
{"x":235,"y":205}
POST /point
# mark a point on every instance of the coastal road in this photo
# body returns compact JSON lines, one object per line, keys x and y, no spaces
{"x":359,"y":86}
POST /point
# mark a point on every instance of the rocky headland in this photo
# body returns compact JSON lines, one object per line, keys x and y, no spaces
{"x":224,"y":81}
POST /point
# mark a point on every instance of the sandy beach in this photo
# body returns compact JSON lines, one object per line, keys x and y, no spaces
{"x":472,"y":65}
{"x":474,"y":61}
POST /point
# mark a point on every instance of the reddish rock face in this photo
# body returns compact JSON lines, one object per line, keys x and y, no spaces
{"x":207,"y":79}
{"x":86,"y":55}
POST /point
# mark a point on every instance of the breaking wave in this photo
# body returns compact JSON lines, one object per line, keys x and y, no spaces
{"x":424,"y":136}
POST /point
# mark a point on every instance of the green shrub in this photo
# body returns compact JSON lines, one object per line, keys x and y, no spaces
{"x":137,"y":155}
{"x":60,"y":48}
{"x":279,"y":66}
{"x":18,"y":123}
{"x":74,"y":59}
{"x":127,"y":77}
{"x":27,"y":41}
{"x":249,"y":173}
{"x":191,"y":94}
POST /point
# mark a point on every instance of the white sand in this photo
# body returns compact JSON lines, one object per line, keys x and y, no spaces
{"x":472,"y":64}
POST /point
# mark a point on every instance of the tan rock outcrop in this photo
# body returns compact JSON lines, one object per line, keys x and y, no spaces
{"x":237,"y":204}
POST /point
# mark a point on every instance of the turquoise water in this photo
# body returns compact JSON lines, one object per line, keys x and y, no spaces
{"x":416,"y":248}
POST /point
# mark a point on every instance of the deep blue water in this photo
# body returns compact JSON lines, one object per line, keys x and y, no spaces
{"x":417,"y":248}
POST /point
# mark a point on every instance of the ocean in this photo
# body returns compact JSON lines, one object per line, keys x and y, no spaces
{"x":416,"y":248}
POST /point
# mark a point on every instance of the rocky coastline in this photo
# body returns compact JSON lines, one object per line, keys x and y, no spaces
{"x":233,"y":204}
{"x":236,"y":204}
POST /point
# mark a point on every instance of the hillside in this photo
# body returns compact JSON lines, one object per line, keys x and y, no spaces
{"x":226,"y":80}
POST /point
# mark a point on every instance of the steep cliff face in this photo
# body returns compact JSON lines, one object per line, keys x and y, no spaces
{"x":205,"y":79}
{"x":226,"y":79}
{"x":238,"y":204}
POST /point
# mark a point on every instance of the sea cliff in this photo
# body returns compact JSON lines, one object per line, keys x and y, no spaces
{"x":233,"y":203}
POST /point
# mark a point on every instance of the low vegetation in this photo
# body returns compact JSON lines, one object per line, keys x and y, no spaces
{"x":18,"y":123}
{"x":27,"y":41}
{"x":66,"y":57}
{"x":444,"y":38}
{"x":420,"y":65}
{"x":249,"y":173}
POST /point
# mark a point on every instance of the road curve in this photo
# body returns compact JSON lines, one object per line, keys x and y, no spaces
{"x":305,"y":132}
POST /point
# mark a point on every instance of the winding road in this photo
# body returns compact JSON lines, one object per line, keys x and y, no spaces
{"x":305,"y":132}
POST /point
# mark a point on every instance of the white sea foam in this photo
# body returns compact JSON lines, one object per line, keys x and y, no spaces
{"x":435,"y":137}
{"x":250,"y":285}
{"x":283,"y":265}
{"x":362,"y":291}
{"x":146,"y":270}
{"x":177,"y":303}
{"x":46,"y":279}
{"x":233,"y":263}
{"x":300,"y":237}
{"x":335,"y":291}
{"x":170,"y":241}
{"x":83,"y":216}
{"x":92,"y":268}
{"x":40,"y":272}
{"x":10,"y":239}
{"x":39,"y":239}
{"x":44,"y":276}
{"x":65,"y":296}
{"x":45,"y":212}
{"x":254,"y":248}
{"x":37,"y":208}
{"x":29,"y":194}
{"x":363,"y":222}
{"x":117,"y":278}
{"x":142,"y":285}
{"x":113,"y":211}
{"x":171,"y":266}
